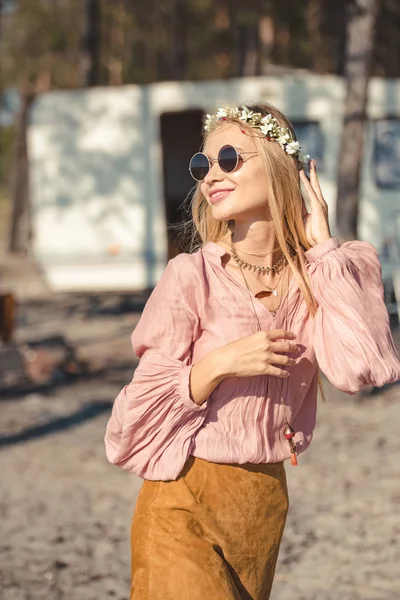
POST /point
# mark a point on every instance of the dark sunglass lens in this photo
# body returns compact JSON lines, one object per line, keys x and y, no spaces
{"x":228,"y":159}
{"x":199,"y":166}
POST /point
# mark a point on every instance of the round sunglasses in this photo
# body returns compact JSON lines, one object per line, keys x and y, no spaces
{"x":228,"y":160}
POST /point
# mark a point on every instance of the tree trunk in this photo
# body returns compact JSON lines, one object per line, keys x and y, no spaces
{"x":320,"y":61}
{"x":116,"y":52}
{"x":267,"y":37}
{"x":90,"y":62}
{"x":20,"y":220}
{"x":247,"y":38}
{"x":178,"y":45}
{"x":360,"y":35}
{"x":250,"y":50}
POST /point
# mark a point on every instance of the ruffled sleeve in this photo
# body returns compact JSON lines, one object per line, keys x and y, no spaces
{"x":154,"y":420}
{"x":352,"y":340}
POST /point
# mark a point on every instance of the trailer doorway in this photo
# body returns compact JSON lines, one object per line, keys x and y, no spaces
{"x":181,"y":137}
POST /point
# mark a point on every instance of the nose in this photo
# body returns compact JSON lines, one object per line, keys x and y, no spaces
{"x":214,"y":174}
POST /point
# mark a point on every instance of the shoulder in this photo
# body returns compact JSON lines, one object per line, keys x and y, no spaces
{"x":187,"y":261}
{"x":197,"y":269}
{"x":188,"y":268}
{"x":196,"y":262}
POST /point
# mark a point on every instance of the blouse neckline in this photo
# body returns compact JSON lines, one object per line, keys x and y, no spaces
{"x":214,"y":249}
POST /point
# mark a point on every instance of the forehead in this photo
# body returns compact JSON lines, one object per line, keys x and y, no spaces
{"x":228,"y":133}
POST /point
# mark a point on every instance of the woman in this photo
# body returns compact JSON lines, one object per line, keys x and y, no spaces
{"x":229,"y":342}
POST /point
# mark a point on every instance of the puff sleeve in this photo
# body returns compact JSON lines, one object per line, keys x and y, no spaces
{"x":352,"y":340}
{"x":154,"y":420}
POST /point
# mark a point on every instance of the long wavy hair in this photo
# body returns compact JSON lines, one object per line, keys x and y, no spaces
{"x":285,"y":204}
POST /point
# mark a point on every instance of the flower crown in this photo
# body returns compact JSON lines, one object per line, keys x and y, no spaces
{"x":268,"y":125}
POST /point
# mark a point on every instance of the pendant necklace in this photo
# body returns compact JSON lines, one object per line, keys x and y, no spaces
{"x":288,"y":430}
{"x":259,"y":269}
{"x":274,"y":290}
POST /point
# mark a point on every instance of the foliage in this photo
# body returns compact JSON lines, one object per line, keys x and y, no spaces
{"x":40,"y":41}
{"x":143,"y":41}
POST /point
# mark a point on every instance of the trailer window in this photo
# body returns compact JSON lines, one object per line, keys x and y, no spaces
{"x":387,"y":153}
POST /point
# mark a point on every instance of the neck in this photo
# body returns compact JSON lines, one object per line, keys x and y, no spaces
{"x":257,"y":243}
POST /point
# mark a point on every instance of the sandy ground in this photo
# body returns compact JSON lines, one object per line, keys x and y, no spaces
{"x":66,"y":512}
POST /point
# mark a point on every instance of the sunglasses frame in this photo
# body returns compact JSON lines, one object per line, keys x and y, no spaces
{"x":211,"y":161}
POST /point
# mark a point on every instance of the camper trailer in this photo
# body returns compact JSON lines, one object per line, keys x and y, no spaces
{"x":109,"y":170}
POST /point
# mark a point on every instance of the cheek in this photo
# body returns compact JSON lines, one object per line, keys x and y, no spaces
{"x":204,"y":189}
{"x":252,"y":180}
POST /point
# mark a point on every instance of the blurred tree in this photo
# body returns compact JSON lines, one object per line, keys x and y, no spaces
{"x":360,"y":40}
{"x":39,"y":40}
{"x":386,"y":56}
{"x":55,"y":44}
{"x":20,"y":222}
{"x":320,"y":62}
{"x":180,"y":25}
{"x":183,"y":39}
{"x":245,"y":38}
{"x":117,"y":27}
{"x":41,"y":43}
{"x":90,"y":59}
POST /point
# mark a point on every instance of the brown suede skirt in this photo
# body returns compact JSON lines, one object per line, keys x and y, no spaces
{"x":213,"y":533}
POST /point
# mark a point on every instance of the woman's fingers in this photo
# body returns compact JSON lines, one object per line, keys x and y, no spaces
{"x":279,"y":334}
{"x":304,"y":211}
{"x":282,"y":359}
{"x":308,"y":187}
{"x":283,"y":347}
{"x":276,"y":372}
{"x":314,"y":180}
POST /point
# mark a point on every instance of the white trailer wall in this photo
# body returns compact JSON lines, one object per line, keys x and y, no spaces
{"x":96,"y":173}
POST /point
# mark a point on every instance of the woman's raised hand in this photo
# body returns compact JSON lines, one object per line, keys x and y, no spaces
{"x":316,"y":224}
{"x":257,"y":354}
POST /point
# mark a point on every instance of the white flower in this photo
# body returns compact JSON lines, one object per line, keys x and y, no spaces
{"x":285,"y":135}
{"x":267,"y":124}
{"x":246,"y":115}
{"x":292,"y":147}
{"x":268,"y":119}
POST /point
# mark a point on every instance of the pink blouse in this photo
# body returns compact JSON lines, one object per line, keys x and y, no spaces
{"x":197,"y":306}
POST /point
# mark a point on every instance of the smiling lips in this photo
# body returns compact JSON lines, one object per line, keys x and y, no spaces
{"x":217,"y":195}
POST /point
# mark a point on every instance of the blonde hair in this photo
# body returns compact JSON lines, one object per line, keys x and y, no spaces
{"x":284,"y":203}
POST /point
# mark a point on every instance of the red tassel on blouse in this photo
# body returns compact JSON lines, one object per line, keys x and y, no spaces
{"x":289,"y":434}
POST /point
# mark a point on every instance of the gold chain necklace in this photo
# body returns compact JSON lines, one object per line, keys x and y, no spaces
{"x":288,"y":431}
{"x":257,"y":268}
{"x":273,"y":290}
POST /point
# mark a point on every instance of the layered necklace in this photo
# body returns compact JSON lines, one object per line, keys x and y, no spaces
{"x":288,"y":430}
{"x":279,"y":265}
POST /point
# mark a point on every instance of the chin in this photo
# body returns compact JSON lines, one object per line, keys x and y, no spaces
{"x":226,"y":217}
